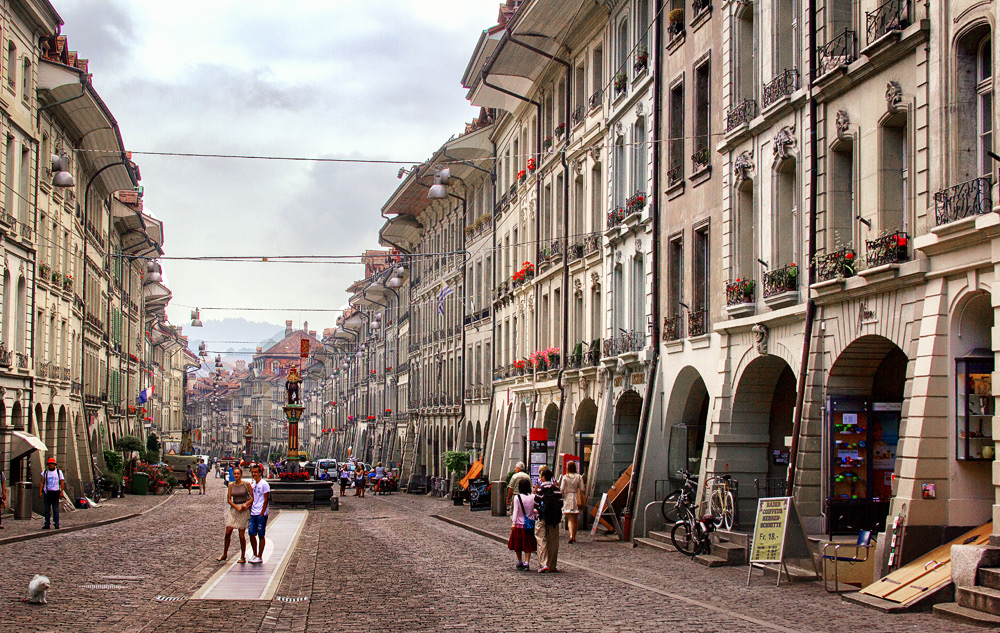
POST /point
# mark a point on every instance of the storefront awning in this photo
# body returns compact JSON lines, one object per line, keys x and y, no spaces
{"x":22,"y":443}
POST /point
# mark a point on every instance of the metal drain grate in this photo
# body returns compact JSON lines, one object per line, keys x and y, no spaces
{"x":169,"y":598}
{"x":284,"y":599}
{"x":103,"y":587}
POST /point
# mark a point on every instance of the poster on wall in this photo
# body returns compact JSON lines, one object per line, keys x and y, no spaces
{"x":537,"y":452}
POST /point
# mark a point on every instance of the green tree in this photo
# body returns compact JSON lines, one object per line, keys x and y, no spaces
{"x":456,"y":461}
{"x":128,"y":443}
{"x":114,"y":461}
{"x":152,"y":442}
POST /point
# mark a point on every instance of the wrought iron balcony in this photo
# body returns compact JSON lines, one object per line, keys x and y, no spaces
{"x":672,"y":328}
{"x":576,"y":115}
{"x":838,"y":264}
{"x":779,"y":280}
{"x":616,"y":217}
{"x":740,"y":291}
{"x":592,"y":357}
{"x":782,"y":85}
{"x":697,"y":322}
{"x":6,"y":357}
{"x":892,"y":15}
{"x":973,"y":197}
{"x":596,"y":99}
{"x":550,"y":252}
{"x":700,"y":159}
{"x":840,"y":51}
{"x":740,"y":114}
{"x":700,"y":6}
{"x":675,"y":175}
{"x":888,"y":249}
{"x":624,"y":343}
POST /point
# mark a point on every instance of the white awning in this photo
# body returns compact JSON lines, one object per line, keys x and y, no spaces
{"x":22,"y":443}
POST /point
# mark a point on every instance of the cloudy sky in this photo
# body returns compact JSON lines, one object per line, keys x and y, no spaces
{"x":325,"y":78}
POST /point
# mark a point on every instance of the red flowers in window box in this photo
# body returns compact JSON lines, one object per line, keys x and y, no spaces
{"x":531,"y":164}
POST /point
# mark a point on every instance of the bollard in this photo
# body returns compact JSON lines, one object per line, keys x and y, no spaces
{"x":334,"y":503}
{"x":498,"y":498}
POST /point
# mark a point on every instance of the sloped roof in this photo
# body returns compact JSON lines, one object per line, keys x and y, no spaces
{"x":289,"y":346}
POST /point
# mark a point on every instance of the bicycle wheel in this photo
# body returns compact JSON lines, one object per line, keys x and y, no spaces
{"x":728,"y":510}
{"x":669,"y":507}
{"x":682,"y":538}
{"x":716,"y":505}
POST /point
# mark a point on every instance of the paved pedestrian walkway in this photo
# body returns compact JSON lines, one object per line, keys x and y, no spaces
{"x":243,"y":581}
{"x":108,"y":510}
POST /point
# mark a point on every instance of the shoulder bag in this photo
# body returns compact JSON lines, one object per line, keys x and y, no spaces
{"x":529,"y":524}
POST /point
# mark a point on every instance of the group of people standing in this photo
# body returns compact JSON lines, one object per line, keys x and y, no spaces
{"x":380,"y":476}
{"x":247,"y":511}
{"x":536,"y":515}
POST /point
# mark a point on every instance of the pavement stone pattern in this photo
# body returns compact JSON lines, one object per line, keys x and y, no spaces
{"x":105,"y":510}
{"x":386,"y":563}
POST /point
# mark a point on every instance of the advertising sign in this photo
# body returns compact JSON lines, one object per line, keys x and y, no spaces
{"x":778,"y":535}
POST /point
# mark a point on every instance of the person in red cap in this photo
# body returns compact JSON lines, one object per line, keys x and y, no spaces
{"x":51,"y":491}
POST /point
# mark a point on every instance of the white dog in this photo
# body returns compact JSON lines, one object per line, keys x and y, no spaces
{"x":37,"y":589}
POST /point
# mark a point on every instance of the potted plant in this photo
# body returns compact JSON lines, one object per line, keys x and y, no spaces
{"x":621,"y":82}
{"x":456,"y":462}
{"x":531,"y":164}
{"x":676,"y":20}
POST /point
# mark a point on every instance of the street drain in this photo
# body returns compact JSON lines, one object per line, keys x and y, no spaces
{"x":169,"y":598}
{"x":284,"y":599}
{"x":103,"y":587}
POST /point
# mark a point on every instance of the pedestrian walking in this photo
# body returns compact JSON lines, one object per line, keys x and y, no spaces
{"x":522,"y":529}
{"x":359,"y":482}
{"x":258,"y":513}
{"x":513,"y":484}
{"x":229,"y":474}
{"x":240,"y":499}
{"x":189,"y":478}
{"x":51,"y":490}
{"x":202,"y":475}
{"x":548,"y":500}
{"x":379,"y":475}
{"x":345,"y":479}
{"x":574,"y":498}
{"x":218,"y":471}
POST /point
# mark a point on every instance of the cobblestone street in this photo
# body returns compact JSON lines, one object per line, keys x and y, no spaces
{"x":389,"y":563}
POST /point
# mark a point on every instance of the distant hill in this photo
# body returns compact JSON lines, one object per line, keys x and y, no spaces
{"x":235,"y":338}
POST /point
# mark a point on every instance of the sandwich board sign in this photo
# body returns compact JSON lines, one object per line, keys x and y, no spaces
{"x":778,"y":536}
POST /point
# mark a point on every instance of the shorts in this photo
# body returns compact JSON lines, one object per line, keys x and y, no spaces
{"x":258,"y":524}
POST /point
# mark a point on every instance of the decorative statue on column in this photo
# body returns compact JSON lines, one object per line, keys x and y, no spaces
{"x":292,"y":386}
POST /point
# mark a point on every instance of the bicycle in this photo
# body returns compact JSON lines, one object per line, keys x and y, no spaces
{"x":679,"y":504}
{"x":722,"y":501}
{"x":692,"y":537}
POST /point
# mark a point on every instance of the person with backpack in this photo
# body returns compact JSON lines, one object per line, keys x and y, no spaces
{"x":549,"y":501}
{"x":51,"y":491}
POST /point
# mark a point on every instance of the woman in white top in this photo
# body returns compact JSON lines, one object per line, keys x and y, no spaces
{"x":571,"y":487}
{"x":522,"y":539}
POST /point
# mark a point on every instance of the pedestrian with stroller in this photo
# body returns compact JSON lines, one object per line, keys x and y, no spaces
{"x":522,"y":530}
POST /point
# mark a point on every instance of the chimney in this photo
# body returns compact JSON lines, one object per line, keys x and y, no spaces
{"x":312,"y":333}
{"x":305,"y":326}
{"x":288,"y":328}
{"x":241,"y":366}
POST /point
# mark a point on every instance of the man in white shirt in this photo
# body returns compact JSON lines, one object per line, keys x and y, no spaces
{"x":51,"y":491}
{"x":258,"y":513}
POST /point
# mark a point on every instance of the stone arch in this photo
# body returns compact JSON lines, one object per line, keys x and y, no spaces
{"x":584,"y":426}
{"x":686,"y":421}
{"x":628,"y":408}
{"x":50,"y":432}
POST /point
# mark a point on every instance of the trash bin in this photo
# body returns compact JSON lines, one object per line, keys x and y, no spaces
{"x":140,"y":483}
{"x":22,"y":500}
{"x":498,"y":499}
{"x":335,"y":503}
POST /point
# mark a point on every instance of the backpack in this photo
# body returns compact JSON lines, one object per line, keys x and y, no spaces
{"x":552,"y":505}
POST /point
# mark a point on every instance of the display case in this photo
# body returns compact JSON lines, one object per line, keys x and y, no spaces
{"x":974,"y":407}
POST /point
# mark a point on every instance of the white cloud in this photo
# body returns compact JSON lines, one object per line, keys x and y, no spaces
{"x":308,"y":78}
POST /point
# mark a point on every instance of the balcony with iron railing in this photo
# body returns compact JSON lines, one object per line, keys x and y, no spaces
{"x":780,"y":280}
{"x":839,"y":264}
{"x":672,"y":328}
{"x":780,"y":86}
{"x":624,"y":343}
{"x":965,"y":200}
{"x":596,"y":99}
{"x":577,"y":115}
{"x":740,"y":291}
{"x":698,"y":7}
{"x":892,"y":15}
{"x":888,"y":249}
{"x":740,"y":114}
{"x":549,"y":254}
{"x":675,"y":175}
{"x":840,"y":51}
{"x":697,"y":322}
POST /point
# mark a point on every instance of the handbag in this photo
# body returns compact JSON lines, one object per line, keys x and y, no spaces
{"x":581,"y":498}
{"x":529,"y":524}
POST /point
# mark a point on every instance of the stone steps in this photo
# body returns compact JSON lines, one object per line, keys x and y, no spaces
{"x":655,"y":544}
{"x":988,"y":577}
{"x":985,"y":599}
{"x":956,"y":612}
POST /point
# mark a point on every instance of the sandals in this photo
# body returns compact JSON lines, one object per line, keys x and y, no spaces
{"x":242,"y":561}
{"x":221,"y":558}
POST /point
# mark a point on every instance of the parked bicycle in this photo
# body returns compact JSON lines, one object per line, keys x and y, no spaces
{"x":693,"y":537}
{"x":722,"y":501}
{"x":679,"y":504}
